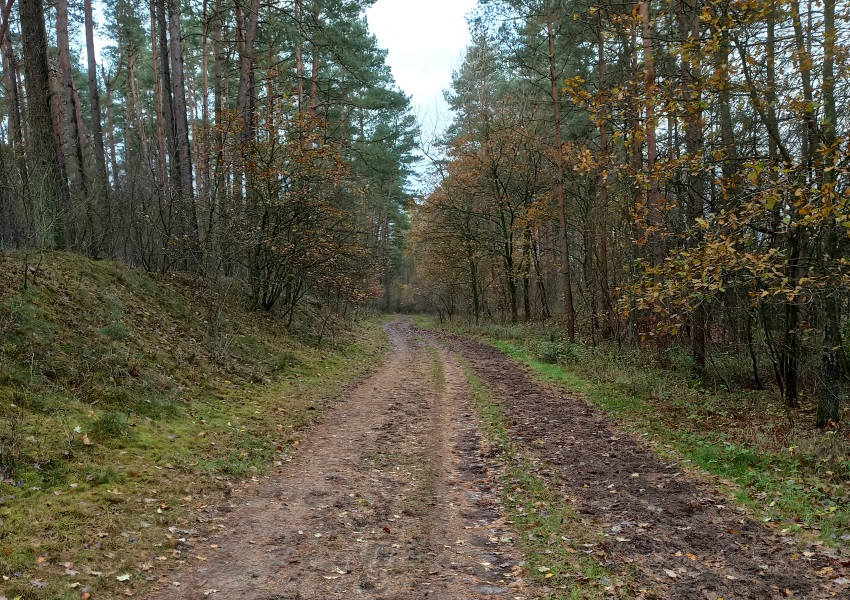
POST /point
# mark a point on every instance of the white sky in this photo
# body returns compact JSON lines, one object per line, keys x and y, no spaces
{"x":425,"y":40}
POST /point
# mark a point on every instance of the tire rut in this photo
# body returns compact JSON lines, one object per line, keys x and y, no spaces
{"x":389,"y":497}
{"x":672,"y":536}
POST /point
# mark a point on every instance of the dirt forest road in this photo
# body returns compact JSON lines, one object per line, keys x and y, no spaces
{"x":387,"y":498}
{"x":393,"y":496}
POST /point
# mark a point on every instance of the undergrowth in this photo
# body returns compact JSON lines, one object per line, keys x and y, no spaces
{"x":128,"y":402}
{"x":791,"y":475}
{"x":560,"y":549}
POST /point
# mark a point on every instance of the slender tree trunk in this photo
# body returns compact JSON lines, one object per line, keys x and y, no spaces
{"x":218,"y":115}
{"x":101,"y":184}
{"x":180,"y":128}
{"x":601,"y":221}
{"x":74,"y":135}
{"x":206,"y":130}
{"x":110,"y":134}
{"x":67,"y":211}
{"x":299,"y":55}
{"x":10,"y":81}
{"x":164,"y":125}
{"x":691,"y":81}
{"x":563,"y":236}
{"x":653,"y":194}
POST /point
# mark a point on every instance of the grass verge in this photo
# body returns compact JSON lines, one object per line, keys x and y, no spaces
{"x":130,"y":402}
{"x":560,"y":549}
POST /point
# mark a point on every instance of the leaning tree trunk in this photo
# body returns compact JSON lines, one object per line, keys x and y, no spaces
{"x":74,"y":135}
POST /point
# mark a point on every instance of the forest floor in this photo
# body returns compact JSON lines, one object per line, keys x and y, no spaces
{"x":402,"y":490}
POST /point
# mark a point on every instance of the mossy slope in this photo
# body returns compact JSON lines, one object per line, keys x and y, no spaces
{"x":128,"y":400}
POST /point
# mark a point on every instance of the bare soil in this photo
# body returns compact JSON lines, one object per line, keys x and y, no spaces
{"x":675,"y":537}
{"x":393,"y":495}
{"x":390,"y":496}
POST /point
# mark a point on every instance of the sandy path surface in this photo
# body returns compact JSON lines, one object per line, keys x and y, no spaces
{"x":393,"y":496}
{"x":389,"y":497}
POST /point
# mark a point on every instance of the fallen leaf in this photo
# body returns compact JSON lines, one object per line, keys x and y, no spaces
{"x":670,"y":573}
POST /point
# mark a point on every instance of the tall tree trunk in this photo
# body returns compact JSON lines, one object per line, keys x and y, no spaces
{"x":67,"y":211}
{"x":110,"y":134}
{"x":601,"y":221}
{"x":10,"y":82}
{"x":77,"y":172}
{"x":836,"y":366}
{"x":299,"y":55}
{"x":164,"y":120}
{"x":180,"y":129}
{"x":563,"y":236}
{"x":101,"y":179}
{"x":691,"y":81}
{"x":653,"y":194}
{"x":46,"y":191}
{"x":206,"y":130}
{"x":245,"y":94}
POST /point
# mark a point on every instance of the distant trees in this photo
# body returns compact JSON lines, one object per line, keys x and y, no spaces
{"x":266,"y":142}
{"x":699,"y":151}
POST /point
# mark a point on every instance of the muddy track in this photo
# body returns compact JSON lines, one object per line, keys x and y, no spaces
{"x":389,"y":497}
{"x":673,"y":537}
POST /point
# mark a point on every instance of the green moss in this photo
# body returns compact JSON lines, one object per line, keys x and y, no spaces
{"x":130,"y":407}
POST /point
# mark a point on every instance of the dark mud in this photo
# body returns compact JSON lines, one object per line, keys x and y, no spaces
{"x":674,"y":537}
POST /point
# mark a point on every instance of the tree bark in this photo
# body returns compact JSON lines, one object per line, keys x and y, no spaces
{"x":46,"y":191}
{"x":101,"y":183}
{"x":66,"y":81}
{"x":653,"y":194}
{"x":563,"y":237}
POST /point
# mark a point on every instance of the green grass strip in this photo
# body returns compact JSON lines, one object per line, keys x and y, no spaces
{"x":559,"y":548}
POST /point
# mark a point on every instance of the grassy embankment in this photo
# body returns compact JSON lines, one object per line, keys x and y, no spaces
{"x":128,"y":403}
{"x":790,"y":475}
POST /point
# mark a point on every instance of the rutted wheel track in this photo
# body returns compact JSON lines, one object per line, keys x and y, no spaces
{"x":675,"y":537}
{"x":388,"y":498}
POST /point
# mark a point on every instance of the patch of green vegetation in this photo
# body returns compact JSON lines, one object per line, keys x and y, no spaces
{"x":114,"y":331}
{"x":121,"y":405}
{"x":557,"y":544}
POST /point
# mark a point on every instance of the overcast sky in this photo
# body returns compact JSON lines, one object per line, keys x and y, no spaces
{"x":425,"y":40}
